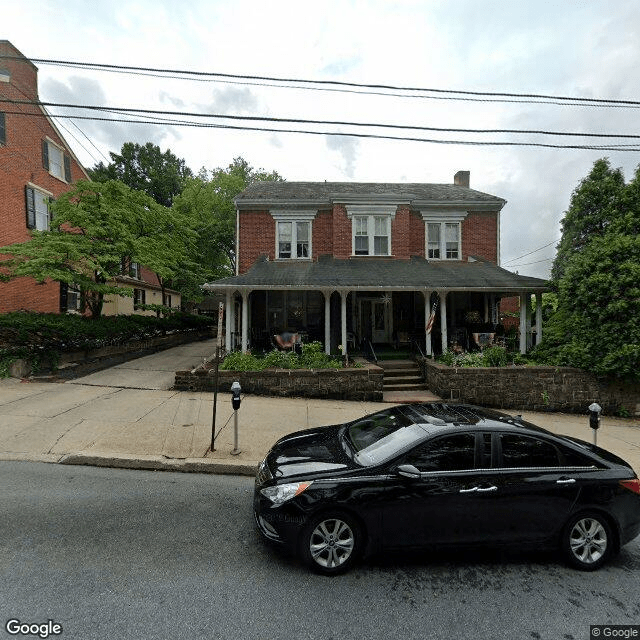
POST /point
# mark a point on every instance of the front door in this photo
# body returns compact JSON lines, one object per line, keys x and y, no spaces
{"x":374,"y":320}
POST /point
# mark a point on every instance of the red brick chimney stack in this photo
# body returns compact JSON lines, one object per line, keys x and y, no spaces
{"x":462,"y":178}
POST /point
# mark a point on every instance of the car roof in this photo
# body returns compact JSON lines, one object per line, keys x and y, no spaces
{"x":447,"y":415}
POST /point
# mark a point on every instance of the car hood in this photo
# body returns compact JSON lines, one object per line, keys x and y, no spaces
{"x":309,"y":452}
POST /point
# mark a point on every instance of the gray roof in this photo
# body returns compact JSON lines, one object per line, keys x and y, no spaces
{"x":380,"y":274}
{"x":319,"y":193}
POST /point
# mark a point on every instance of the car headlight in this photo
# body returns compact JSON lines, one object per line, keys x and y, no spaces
{"x":280,"y":493}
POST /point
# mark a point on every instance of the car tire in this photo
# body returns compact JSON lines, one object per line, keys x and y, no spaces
{"x":330,"y":543}
{"x":587,"y":541}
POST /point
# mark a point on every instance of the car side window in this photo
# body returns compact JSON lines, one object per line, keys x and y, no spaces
{"x":524,"y":451}
{"x":449,"y":453}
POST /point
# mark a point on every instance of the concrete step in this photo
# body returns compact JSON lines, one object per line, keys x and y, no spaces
{"x":395,"y":373}
{"x":404,"y":387}
{"x":405,"y":379}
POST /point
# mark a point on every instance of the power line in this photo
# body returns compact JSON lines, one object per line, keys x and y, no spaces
{"x":530,"y":252}
{"x":216,"y":74}
{"x":524,"y":264}
{"x":612,"y":147}
{"x":323,"y":122}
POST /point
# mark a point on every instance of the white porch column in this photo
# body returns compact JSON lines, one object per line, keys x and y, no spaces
{"x":228,"y":322}
{"x":523,"y":323}
{"x":327,"y":321}
{"x":443,"y":319}
{"x":427,"y":313}
{"x":538,"y":318}
{"x":245,"y":319}
{"x":343,"y":320}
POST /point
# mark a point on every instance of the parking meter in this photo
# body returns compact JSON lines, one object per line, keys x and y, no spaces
{"x":235,"y":402}
{"x":594,"y":419}
{"x":235,"y":390}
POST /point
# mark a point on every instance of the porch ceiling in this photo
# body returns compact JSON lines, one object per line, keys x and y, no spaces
{"x":380,"y":274}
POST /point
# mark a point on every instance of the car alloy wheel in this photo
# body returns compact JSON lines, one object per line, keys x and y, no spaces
{"x":330,"y":543}
{"x":588,"y":541}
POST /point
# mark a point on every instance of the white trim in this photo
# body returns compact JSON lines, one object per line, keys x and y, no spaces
{"x":443,"y":241}
{"x":301,"y":215}
{"x":371,"y":210}
{"x":443,"y":216}
{"x":37,"y":188}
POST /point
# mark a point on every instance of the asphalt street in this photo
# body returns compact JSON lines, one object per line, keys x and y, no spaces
{"x":113,"y":553}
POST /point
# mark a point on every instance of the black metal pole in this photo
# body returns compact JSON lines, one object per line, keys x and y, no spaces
{"x":215,"y":400}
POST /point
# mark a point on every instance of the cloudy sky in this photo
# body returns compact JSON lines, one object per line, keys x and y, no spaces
{"x":564,"y":48}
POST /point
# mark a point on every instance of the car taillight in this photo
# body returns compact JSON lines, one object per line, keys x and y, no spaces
{"x":632,"y":485}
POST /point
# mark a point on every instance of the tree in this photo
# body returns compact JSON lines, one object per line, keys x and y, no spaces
{"x":209,"y":204}
{"x":94,"y":227}
{"x":146,"y":168}
{"x":594,"y":203}
{"x":596,"y":326}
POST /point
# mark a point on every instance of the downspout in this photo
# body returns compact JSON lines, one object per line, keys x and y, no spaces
{"x":237,"y":241}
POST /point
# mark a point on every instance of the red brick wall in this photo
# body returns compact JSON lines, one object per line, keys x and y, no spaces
{"x":480,"y":236}
{"x":332,"y":234}
{"x":21,"y":163}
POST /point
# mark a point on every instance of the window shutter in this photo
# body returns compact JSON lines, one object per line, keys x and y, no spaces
{"x":67,"y":168}
{"x":45,"y":154}
{"x":3,"y":129}
{"x":64,"y":290}
{"x":31,"y":207}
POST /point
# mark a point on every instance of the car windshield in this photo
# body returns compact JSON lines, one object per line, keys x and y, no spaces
{"x":380,"y":436}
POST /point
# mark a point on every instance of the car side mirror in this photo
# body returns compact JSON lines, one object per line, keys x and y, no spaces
{"x":408,"y":471}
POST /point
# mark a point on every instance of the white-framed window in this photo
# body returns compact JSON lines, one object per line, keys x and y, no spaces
{"x":443,"y":241}
{"x":37,"y":204}
{"x":70,"y":298}
{"x":293,"y":239}
{"x":371,"y":235}
{"x":55,"y":161}
{"x":139,"y":298}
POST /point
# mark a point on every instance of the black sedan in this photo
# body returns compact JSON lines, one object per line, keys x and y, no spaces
{"x":426,"y":475}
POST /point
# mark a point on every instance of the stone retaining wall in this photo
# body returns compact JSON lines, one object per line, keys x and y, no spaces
{"x":341,"y":384}
{"x":534,"y":388}
{"x":73,"y":363}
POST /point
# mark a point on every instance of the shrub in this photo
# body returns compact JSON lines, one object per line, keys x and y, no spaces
{"x":312,"y":357}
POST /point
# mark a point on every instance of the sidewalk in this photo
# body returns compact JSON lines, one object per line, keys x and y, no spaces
{"x":108,"y":419}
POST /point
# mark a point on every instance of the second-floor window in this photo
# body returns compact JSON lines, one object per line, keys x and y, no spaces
{"x":371,"y":235}
{"x":443,"y":241}
{"x":38,"y":216}
{"x":294,"y":239}
{"x":55,"y":161}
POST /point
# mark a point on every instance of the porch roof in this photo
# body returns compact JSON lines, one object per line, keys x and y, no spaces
{"x":380,"y":274}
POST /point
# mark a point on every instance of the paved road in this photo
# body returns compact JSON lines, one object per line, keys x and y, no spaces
{"x":137,"y":554}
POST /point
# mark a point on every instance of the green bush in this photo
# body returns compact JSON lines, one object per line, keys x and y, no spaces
{"x":491,"y":357}
{"x":312,"y":357}
{"x":39,"y":336}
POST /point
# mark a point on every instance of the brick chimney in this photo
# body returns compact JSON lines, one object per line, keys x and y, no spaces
{"x":462,"y":178}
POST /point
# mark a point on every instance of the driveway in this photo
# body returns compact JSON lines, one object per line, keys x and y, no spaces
{"x":156,"y":371}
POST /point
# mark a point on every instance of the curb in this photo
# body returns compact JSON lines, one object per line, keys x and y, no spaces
{"x":148,"y":463}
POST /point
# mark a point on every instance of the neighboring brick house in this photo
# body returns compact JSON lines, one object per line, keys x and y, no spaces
{"x":352,"y":263}
{"x":36,"y":166}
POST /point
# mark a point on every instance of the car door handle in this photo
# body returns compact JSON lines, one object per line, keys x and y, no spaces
{"x":565,"y":481}
{"x":468,"y":490}
{"x":484,"y":489}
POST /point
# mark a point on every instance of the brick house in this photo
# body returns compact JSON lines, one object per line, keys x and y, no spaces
{"x":351,"y":264}
{"x":37,"y":166}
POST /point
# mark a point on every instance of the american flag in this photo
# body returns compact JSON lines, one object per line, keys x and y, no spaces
{"x":432,"y":317}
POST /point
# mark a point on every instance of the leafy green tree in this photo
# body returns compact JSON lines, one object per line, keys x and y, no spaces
{"x":161,"y":175}
{"x":208,"y":203}
{"x":596,"y":325}
{"x":95,"y":226}
{"x":594,"y":203}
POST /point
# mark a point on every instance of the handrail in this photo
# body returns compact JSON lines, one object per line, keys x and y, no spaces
{"x":415,"y":345}
{"x":370,"y":348}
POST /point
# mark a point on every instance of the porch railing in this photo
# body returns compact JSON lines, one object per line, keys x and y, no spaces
{"x":369,"y":351}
